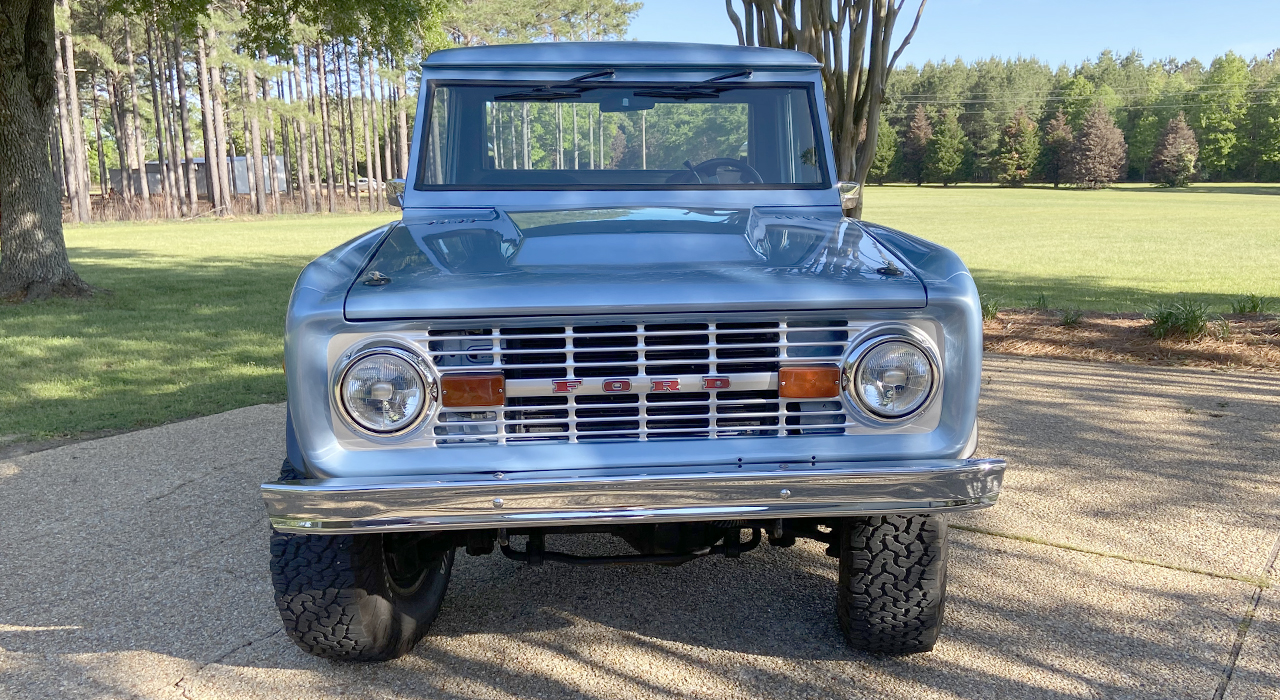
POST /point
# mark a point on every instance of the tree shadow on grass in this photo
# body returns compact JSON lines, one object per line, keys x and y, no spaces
{"x":1082,"y":291}
{"x":177,"y":337}
{"x":1211,"y":188}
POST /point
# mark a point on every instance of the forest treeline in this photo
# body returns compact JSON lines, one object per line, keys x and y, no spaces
{"x":222,"y":122}
{"x":1112,"y":118}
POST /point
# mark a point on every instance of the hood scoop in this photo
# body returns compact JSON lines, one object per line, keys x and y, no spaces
{"x":650,"y":260}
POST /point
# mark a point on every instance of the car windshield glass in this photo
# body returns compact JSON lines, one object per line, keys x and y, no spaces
{"x":584,"y":134}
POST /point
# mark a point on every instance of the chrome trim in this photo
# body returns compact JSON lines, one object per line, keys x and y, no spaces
{"x":669,"y":494}
{"x":414,"y":359}
{"x":581,"y":345}
{"x":878,"y":336}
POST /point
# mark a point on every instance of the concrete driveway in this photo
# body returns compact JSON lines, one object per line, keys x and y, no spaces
{"x":1127,"y":559}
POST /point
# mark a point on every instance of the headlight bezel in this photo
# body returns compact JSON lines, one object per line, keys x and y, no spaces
{"x":861,"y":348}
{"x":416,"y":361}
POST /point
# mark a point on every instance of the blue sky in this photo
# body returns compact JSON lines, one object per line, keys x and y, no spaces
{"x":1051,"y":31}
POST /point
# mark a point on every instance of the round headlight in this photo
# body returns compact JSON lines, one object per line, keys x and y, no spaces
{"x":384,"y":391}
{"x":892,"y":379}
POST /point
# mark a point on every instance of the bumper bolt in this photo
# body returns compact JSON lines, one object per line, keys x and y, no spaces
{"x":497,"y":503}
{"x":784,"y":493}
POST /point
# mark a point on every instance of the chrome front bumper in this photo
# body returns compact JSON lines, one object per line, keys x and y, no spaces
{"x":547,"y":499}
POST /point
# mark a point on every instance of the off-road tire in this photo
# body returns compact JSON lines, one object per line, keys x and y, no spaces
{"x":893,"y":582}
{"x":337,"y":598}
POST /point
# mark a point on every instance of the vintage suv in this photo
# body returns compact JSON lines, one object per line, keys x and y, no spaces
{"x":624,"y":299}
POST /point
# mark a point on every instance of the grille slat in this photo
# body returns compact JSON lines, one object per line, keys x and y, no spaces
{"x":748,"y":352}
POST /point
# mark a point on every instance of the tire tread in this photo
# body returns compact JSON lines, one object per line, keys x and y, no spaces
{"x":893,"y":582}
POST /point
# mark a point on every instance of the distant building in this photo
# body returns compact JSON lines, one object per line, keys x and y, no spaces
{"x":239,"y":176}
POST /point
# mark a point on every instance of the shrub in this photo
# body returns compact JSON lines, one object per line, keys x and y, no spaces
{"x":1251,"y":304}
{"x":1185,"y":317}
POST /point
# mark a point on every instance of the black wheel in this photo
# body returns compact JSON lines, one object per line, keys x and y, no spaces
{"x":358,"y":597}
{"x":893,"y":582}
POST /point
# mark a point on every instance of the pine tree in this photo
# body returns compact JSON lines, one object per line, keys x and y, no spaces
{"x":916,"y":146}
{"x":1098,"y":155}
{"x":1018,"y":149}
{"x":945,"y":153}
{"x":886,"y":146}
{"x":1173,"y":162}
{"x":1221,"y":112}
{"x":1055,"y":155}
{"x":1263,"y":122}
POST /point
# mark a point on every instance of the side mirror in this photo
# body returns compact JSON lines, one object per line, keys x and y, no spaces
{"x":849,"y":194}
{"x":395,"y":192}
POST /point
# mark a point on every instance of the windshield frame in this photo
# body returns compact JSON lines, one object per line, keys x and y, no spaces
{"x":821,"y":139}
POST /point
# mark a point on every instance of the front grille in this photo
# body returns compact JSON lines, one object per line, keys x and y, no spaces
{"x":675,"y":360}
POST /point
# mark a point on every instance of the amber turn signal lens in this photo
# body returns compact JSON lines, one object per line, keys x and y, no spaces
{"x":479,"y":389}
{"x":818,"y":382}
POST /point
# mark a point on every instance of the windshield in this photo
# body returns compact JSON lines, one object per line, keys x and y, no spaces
{"x":584,"y":135}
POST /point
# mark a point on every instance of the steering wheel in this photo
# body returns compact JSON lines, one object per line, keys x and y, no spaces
{"x":708,"y":171}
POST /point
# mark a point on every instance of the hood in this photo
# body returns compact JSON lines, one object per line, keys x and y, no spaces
{"x":486,"y":262}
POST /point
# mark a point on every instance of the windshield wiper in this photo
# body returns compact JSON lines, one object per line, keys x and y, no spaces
{"x":706,"y":89}
{"x":568,"y":90}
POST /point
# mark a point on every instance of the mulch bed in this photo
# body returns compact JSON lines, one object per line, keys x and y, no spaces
{"x":1254,"y":342}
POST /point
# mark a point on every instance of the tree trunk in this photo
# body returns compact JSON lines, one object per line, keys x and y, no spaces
{"x":33,"y":253}
{"x":226,"y":192}
{"x":97,"y":128}
{"x":184,"y":113}
{"x":169,"y":79}
{"x":402,"y":121}
{"x":135,"y":121}
{"x":314,"y":110}
{"x":326,"y":126}
{"x":285,"y":133}
{"x":212,"y":166}
{"x":166,"y":164}
{"x":273,"y":171}
{"x":364,"y":126}
{"x":351,"y":121}
{"x":524,"y":133}
{"x":382,"y":134}
{"x":371,"y":165}
{"x":67,"y":161}
{"x":116,"y":110}
{"x":80,"y":147}
{"x":244,"y":134}
{"x":255,"y":140}
{"x":304,"y":139}
{"x":58,"y":164}
{"x":345,"y":164}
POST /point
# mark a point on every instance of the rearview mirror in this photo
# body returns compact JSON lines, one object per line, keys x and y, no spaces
{"x":626,"y":103}
{"x":395,"y":192}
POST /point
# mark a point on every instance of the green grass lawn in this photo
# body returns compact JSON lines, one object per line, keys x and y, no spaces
{"x":193,"y":322}
{"x":1121,"y":249}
